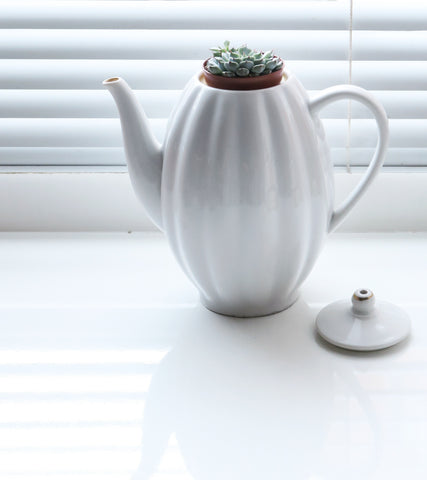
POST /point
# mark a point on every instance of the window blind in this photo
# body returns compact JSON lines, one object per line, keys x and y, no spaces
{"x":55,"y":54}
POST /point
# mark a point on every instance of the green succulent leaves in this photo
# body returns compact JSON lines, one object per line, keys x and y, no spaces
{"x":242,"y":62}
{"x":214,"y":67}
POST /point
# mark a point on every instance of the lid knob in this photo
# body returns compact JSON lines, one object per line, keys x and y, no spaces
{"x":363,"y":301}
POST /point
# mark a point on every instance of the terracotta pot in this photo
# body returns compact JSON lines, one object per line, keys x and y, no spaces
{"x":242,"y":83}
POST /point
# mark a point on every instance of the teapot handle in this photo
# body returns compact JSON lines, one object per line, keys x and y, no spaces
{"x":363,"y":96}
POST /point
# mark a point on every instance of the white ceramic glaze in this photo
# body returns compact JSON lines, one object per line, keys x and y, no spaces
{"x":363,"y":323}
{"x":243,"y":186}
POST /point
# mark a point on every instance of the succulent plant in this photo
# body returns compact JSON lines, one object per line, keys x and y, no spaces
{"x":242,"y":62}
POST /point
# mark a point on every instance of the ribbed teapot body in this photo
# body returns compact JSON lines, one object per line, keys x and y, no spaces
{"x":247,"y":194}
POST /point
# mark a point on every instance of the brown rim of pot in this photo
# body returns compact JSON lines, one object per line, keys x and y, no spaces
{"x":242,"y":83}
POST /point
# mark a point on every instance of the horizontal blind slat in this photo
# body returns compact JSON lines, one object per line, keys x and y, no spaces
{"x":195,"y":44}
{"x":89,"y":74}
{"x":154,"y":44}
{"x":159,"y":104}
{"x":398,"y":104}
{"x":147,"y":74}
{"x":92,"y":132}
{"x":62,"y":156}
{"x":397,"y":157}
{"x":80,"y":103}
{"x":403,"y":133}
{"x":140,"y":74}
{"x":390,"y":15}
{"x":179,"y":14}
{"x":68,"y":132}
{"x":375,"y":15}
{"x":390,"y":75}
{"x":115,"y":156}
{"x":393,"y":45}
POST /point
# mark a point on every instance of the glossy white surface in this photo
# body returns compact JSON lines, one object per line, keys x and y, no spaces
{"x":245,"y":193}
{"x":109,"y":366}
{"x":363,"y":323}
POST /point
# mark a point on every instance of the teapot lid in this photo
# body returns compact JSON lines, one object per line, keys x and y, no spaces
{"x":363,"y":323}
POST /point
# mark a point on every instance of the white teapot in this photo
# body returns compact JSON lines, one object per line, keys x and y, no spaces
{"x":242,"y":186}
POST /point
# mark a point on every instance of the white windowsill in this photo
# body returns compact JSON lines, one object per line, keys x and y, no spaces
{"x":102,"y":339}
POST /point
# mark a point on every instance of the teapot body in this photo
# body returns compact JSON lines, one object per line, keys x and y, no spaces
{"x":246,"y":194}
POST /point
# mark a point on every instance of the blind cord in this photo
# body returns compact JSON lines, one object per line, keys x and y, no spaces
{"x":350,"y":81}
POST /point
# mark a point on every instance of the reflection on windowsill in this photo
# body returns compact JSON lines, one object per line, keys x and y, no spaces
{"x":184,"y":394}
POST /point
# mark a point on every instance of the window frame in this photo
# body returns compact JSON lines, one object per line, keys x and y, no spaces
{"x":104,"y":201}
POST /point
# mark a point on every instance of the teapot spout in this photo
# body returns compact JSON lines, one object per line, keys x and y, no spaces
{"x":143,"y":152}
